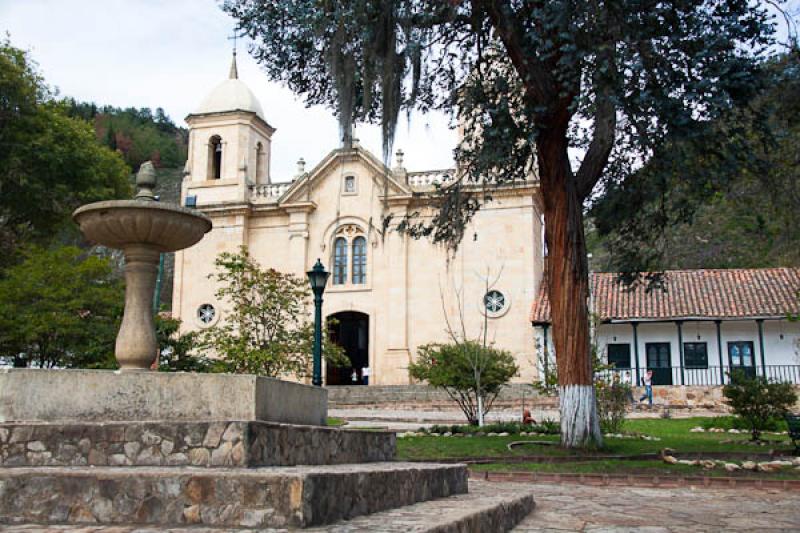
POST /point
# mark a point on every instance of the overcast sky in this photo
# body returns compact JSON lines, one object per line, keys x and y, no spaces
{"x":170,"y":54}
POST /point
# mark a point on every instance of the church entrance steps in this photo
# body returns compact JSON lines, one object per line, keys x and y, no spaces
{"x":488,"y":507}
{"x":207,"y":444}
{"x":426,"y":397}
{"x":277,"y":497}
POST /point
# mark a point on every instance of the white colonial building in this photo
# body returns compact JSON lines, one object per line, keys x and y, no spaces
{"x":389,"y":292}
{"x":703,"y":325}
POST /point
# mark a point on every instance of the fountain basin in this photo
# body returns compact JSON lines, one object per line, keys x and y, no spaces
{"x":142,"y":229}
{"x":120,"y":223}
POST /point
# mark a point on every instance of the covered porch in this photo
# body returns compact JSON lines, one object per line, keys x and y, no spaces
{"x":703,"y":325}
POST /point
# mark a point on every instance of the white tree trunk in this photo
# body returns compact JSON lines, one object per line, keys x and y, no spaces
{"x":580,"y":425}
{"x":480,"y":410}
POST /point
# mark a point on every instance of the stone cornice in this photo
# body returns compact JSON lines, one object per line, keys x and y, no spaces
{"x":247,"y":117}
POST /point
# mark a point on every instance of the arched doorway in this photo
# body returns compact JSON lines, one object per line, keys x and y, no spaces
{"x":351,"y":332}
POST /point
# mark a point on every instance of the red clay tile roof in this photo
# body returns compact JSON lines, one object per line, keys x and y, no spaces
{"x":710,"y":294}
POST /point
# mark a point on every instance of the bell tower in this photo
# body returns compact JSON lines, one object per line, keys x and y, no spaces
{"x":229,"y":144}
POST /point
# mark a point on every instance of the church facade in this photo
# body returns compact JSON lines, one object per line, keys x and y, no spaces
{"x":390,"y":293}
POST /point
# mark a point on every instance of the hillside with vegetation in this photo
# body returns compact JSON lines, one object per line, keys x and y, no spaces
{"x":738,"y":210}
{"x":139,"y":135}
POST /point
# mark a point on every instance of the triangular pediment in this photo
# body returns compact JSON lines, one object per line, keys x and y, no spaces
{"x":327,"y":169}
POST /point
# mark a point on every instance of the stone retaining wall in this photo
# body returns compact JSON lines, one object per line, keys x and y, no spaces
{"x":204,"y":444}
{"x":424,"y":397}
{"x":511,"y":395}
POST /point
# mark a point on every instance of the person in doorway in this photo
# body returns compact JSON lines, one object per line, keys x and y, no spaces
{"x":365,"y":375}
{"x":354,"y":376}
{"x":647,"y":381}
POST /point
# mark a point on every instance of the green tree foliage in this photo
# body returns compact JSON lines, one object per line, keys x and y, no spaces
{"x":50,"y":163}
{"x":452,"y":367}
{"x":179,"y":352}
{"x":739,"y":208}
{"x":268,"y":328}
{"x":59,"y":308}
{"x":758,"y":401}
{"x":139,"y":135}
{"x":529,"y":81}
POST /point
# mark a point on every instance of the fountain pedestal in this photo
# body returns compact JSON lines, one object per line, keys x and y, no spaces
{"x":136,"y":346}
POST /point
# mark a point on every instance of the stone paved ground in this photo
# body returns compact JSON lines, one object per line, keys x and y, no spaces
{"x":568,"y":507}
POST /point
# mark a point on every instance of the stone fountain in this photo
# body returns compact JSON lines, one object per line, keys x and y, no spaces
{"x":142,"y":228}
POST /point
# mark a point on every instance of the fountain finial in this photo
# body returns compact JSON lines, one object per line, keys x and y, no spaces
{"x":146,"y":182}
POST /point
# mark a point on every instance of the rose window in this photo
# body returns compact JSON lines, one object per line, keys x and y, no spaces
{"x":206,"y":314}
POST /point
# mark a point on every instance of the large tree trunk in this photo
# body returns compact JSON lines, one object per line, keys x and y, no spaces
{"x":568,"y":290}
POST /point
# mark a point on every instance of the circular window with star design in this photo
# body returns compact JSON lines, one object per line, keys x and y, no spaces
{"x":495,"y":304}
{"x":207,"y":315}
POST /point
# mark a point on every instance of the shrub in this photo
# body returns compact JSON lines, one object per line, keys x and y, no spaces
{"x":735,"y":422}
{"x":757,"y":400}
{"x":268,"y":329}
{"x":467,"y":371}
{"x":548,"y":427}
{"x":612,"y":400}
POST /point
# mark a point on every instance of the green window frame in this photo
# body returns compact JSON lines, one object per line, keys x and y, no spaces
{"x":695,"y":355}
{"x":619,"y":355}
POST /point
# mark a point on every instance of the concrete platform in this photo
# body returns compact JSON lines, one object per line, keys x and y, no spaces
{"x":292,"y":497}
{"x":488,"y":508}
{"x":196,"y":443}
{"x":39,"y":395}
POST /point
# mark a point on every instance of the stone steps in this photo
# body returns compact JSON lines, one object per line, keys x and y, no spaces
{"x":277,"y":497}
{"x":188,"y":443}
{"x":486,"y":508}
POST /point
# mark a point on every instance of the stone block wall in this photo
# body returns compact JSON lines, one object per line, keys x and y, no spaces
{"x":201,"y":444}
{"x":423,"y":396}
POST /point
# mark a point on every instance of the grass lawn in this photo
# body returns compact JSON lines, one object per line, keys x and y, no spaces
{"x":674,"y":434}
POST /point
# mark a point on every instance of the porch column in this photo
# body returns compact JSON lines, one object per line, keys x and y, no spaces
{"x":719,"y":352}
{"x":546,"y":350}
{"x":636,"y":350}
{"x":760,"y":323}
{"x":680,"y":348}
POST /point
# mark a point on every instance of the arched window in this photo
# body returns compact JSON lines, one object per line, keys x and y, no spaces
{"x":340,"y":261}
{"x":259,"y":162}
{"x":359,"y":260}
{"x":215,"y":158}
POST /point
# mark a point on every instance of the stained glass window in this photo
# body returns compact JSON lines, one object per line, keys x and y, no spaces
{"x":339,"y":261}
{"x":359,"y":260}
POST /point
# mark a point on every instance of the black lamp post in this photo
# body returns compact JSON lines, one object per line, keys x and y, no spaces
{"x":317,"y":277}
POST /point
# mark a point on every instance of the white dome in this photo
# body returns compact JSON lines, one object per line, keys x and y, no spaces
{"x":231,"y":95}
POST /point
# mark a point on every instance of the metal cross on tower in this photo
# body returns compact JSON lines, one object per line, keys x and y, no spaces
{"x":233,"y":38}
{"x":234,"y":73}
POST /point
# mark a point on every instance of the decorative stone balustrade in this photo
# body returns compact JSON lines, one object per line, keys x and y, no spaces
{"x":269,"y":190}
{"x":430,"y":177}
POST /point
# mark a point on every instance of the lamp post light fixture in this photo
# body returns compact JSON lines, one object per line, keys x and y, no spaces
{"x":317,"y":277}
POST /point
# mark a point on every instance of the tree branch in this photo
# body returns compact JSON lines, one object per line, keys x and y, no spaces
{"x":605,"y":122}
{"x":540,"y":87}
